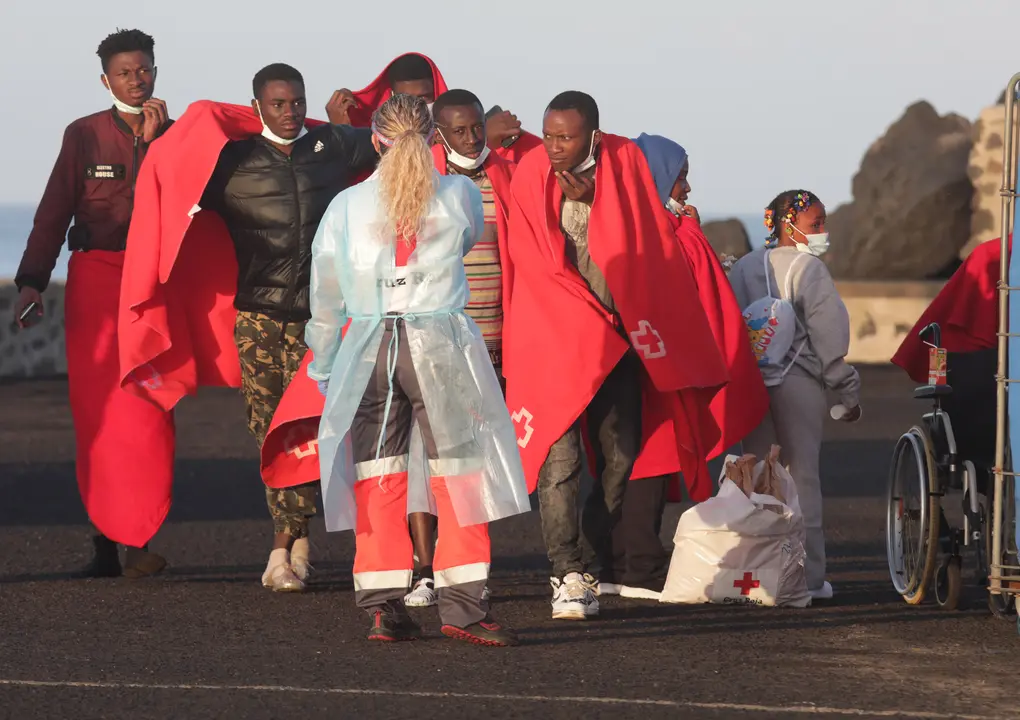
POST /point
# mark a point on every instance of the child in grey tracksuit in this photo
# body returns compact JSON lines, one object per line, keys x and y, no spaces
{"x":816,"y":359}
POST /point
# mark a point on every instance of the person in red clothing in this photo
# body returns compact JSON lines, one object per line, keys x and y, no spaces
{"x":640,"y":562}
{"x":409,"y":74}
{"x":594,"y":348}
{"x":415,"y":74}
{"x":118,"y":436}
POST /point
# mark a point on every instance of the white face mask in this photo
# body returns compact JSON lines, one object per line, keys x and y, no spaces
{"x":675,"y":206}
{"x":817,"y":243}
{"x":589,"y":162}
{"x":273,"y":137}
{"x":463,"y":161}
{"x":122,"y":106}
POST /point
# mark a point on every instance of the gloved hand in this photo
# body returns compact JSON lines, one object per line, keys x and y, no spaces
{"x":323,"y":386}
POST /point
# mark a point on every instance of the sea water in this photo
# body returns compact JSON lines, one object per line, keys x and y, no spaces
{"x":16,"y":223}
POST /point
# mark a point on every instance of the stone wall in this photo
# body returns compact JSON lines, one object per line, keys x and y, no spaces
{"x":985,"y":170}
{"x":881,"y":314}
{"x":37,"y":351}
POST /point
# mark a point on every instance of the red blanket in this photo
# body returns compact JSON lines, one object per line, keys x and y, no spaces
{"x":563,"y":343}
{"x":740,"y":406}
{"x":966,"y":309}
{"x":177,"y":316}
{"x":125,"y":446}
{"x":378,"y":91}
{"x":524,"y":144}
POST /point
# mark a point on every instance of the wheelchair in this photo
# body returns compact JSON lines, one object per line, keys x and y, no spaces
{"x":937,"y":460}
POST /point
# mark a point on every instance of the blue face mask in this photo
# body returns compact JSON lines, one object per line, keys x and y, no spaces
{"x":817,"y":243}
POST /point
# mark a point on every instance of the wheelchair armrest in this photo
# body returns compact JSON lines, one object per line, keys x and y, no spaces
{"x":930,"y":392}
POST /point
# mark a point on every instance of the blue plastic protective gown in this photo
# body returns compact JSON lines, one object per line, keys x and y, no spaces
{"x":355,"y":276}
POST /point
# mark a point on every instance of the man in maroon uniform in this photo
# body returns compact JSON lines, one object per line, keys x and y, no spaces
{"x":119,"y":437}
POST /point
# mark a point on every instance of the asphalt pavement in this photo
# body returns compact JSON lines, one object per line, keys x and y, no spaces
{"x":205,"y":640}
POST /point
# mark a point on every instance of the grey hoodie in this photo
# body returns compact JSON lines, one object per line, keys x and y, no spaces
{"x":824,"y":320}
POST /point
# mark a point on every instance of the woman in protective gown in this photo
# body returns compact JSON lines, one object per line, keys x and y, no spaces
{"x":414,"y":418}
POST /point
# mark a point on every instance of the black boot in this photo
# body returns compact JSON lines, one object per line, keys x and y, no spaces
{"x":391,"y":623}
{"x":486,"y":632}
{"x":140,"y":563}
{"x":105,"y":560}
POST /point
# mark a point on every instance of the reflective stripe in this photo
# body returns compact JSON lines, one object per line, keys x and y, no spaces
{"x":452,"y":467}
{"x":383,"y":580}
{"x":380,"y":467}
{"x":476,"y":572}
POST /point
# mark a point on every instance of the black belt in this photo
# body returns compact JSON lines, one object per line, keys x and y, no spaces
{"x":79,"y":239}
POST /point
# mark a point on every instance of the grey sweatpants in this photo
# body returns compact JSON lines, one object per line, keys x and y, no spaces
{"x":795,"y":422}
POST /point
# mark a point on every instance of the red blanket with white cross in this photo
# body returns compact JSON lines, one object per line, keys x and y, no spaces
{"x":562,"y":344}
{"x":176,"y":324}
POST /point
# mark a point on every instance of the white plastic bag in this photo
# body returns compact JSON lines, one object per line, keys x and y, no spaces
{"x":738,"y":549}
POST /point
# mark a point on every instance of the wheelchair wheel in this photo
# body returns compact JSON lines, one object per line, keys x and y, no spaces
{"x":912,"y":516}
{"x":1002,"y":606}
{"x":949,"y":583}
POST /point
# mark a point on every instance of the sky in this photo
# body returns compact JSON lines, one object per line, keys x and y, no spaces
{"x":765,"y":95}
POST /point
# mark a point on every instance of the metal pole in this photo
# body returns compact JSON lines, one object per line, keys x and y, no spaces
{"x":1008,"y":192}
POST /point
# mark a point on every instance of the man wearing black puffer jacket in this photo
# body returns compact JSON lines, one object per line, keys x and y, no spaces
{"x":271,"y":191}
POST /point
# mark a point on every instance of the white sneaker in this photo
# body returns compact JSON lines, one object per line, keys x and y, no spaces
{"x":574,"y":597}
{"x":279,"y":576}
{"x":822,"y":593}
{"x":299,"y":559}
{"x":423,"y":594}
{"x":638,"y":593}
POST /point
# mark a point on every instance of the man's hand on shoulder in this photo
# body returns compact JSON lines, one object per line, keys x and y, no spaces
{"x":339,"y":107}
{"x":156,"y":117}
{"x":501,"y":127}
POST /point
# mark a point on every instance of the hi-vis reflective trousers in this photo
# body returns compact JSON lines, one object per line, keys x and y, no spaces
{"x":384,"y":557}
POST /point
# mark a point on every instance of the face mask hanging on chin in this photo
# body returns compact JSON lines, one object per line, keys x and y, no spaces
{"x":462,"y":161}
{"x":273,"y":137}
{"x":123,"y":106}
{"x":589,"y":162}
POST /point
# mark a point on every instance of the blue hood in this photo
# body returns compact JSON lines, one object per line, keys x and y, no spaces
{"x":665,"y":158}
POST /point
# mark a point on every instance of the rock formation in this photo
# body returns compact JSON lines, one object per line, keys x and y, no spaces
{"x":910,"y":214}
{"x":728,"y":237}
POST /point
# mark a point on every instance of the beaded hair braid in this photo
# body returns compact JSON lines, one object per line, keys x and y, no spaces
{"x":786,"y":207}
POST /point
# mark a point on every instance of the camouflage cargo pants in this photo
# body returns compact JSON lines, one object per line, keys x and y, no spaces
{"x":270,"y":358}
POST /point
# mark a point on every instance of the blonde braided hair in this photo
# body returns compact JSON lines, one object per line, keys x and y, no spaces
{"x":404,"y":128}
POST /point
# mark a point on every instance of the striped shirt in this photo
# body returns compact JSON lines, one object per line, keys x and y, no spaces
{"x":485,"y":277}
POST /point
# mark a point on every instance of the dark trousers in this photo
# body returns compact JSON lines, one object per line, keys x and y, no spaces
{"x":383,"y":551}
{"x":639,"y":559}
{"x":614,"y":430}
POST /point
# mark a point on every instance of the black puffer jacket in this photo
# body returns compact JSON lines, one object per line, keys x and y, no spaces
{"x":272,"y":203}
